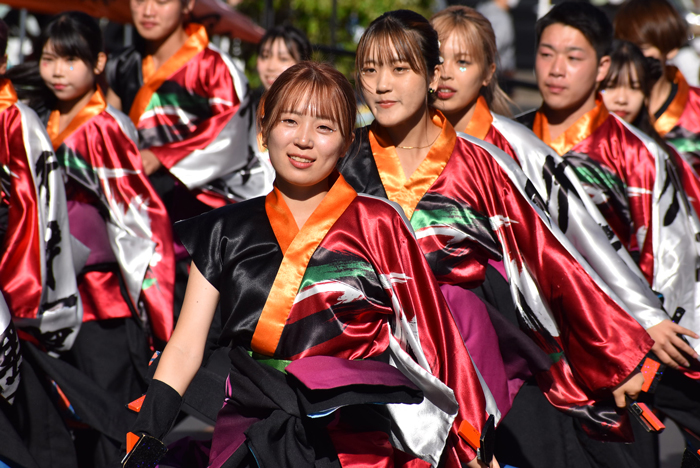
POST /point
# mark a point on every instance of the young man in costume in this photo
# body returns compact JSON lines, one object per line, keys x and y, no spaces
{"x":627,"y":175}
{"x":184,"y":96}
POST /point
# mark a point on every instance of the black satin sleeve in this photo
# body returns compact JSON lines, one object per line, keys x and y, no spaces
{"x":358,"y":166}
{"x":235,"y":248}
{"x":125,"y":76}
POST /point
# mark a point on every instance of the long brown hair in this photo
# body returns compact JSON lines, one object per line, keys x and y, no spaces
{"x":476,"y":36}
{"x":406,"y":32}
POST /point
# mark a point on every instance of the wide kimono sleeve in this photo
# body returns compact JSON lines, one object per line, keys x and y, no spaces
{"x":202,"y":237}
{"x":560,"y":297}
{"x":193,"y":123}
{"x":404,"y":270}
{"x":37,"y":275}
{"x":10,"y":357}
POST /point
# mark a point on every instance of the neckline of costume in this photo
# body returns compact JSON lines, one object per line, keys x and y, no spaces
{"x":480,"y":123}
{"x":668,"y":120}
{"x":577,"y":132}
{"x":196,"y":42}
{"x":8,"y":95}
{"x":408,"y":192}
{"x":298,"y":245}
{"x":95,"y":106}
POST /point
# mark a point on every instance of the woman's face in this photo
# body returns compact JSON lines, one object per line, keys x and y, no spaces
{"x":461,"y":77}
{"x":274,"y":58}
{"x":394,"y":92}
{"x":156,"y":20}
{"x":304,"y":149}
{"x":69,"y":78}
{"x":626,"y":98}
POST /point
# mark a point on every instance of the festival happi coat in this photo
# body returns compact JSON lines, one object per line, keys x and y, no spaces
{"x":353,"y":284}
{"x":679,"y":124}
{"x":629,"y":177}
{"x":187,"y":113}
{"x":106,"y":186}
{"x":572,"y":210}
{"x":468,"y":202}
{"x":37,"y":273}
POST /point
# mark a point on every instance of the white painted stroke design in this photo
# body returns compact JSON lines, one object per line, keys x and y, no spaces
{"x":350,"y":293}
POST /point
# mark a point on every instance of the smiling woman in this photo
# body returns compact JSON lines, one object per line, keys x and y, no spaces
{"x":319,"y":289}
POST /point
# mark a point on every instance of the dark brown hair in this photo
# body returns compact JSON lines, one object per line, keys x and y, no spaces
{"x":653,"y":22}
{"x":476,"y":37}
{"x":294,"y":39}
{"x":310,"y":85}
{"x":3,"y":39}
{"x":406,"y":32}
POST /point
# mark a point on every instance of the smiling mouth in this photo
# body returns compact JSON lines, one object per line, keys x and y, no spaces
{"x":300,"y":159}
{"x":445,"y":93}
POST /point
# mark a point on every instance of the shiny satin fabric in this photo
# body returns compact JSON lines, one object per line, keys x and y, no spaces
{"x":680,"y":123}
{"x":102,"y":159}
{"x":558,"y":299}
{"x":187,"y":114}
{"x":365,"y":283}
{"x":10,"y":357}
{"x":653,"y":205}
{"x":37,"y":275}
{"x":572,"y":210}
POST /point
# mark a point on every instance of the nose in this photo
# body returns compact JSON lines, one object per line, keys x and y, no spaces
{"x":304,"y":136}
{"x":148,"y":8}
{"x":58,"y":67}
{"x":558,"y":66}
{"x":620,"y":95}
{"x":447,"y":70}
{"x":383,"y":80}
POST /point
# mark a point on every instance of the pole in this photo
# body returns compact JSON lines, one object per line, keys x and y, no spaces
{"x":22,"y":32}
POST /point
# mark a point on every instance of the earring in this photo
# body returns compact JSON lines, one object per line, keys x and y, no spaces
{"x":431,"y":90}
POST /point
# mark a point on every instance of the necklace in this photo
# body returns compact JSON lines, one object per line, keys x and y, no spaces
{"x":421,"y":147}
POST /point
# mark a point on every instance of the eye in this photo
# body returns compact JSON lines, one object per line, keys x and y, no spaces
{"x":289,"y":122}
{"x":367,"y":70}
{"x":400,"y":69}
{"x":326,"y":129}
{"x":463,"y":63}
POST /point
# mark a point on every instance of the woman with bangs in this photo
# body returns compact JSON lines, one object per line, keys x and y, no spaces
{"x":320,"y":289}
{"x":470,"y":204}
{"x":659,"y":30}
{"x":467,"y":94}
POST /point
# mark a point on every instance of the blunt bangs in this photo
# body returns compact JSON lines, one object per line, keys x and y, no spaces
{"x":309,"y":88}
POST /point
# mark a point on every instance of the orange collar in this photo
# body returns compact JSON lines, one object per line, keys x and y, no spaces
{"x":480,"y":123}
{"x":95,"y":106}
{"x":579,"y":131}
{"x":153,"y":79}
{"x":298,"y":246}
{"x":408,"y":193}
{"x":673,"y":112}
{"x":8,"y":96}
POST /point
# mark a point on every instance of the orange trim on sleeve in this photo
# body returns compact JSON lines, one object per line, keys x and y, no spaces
{"x":672,"y":114}
{"x":8,"y":96}
{"x":576,"y":133}
{"x":95,"y":106}
{"x":480,"y":123}
{"x":291,"y":272}
{"x":197,"y":42}
{"x":408,"y":193}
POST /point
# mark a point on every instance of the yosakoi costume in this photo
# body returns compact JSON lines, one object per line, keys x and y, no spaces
{"x":126,"y":284}
{"x":331,"y":305}
{"x":37,"y":275}
{"x":678,"y":119}
{"x":469,"y":202}
{"x":640,"y":193}
{"x":187,"y":113}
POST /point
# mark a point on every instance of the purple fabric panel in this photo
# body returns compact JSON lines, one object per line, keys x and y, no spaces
{"x":498,"y":265}
{"x":479,"y":336}
{"x":89,"y":227}
{"x":325,"y":372}
{"x":229,"y":434}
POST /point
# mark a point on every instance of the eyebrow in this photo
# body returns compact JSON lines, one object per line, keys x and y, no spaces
{"x":567,"y":49}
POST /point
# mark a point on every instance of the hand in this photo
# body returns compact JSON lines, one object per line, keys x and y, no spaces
{"x":668,"y":345}
{"x":150,"y":162}
{"x":631,"y":387}
{"x":476,"y":463}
